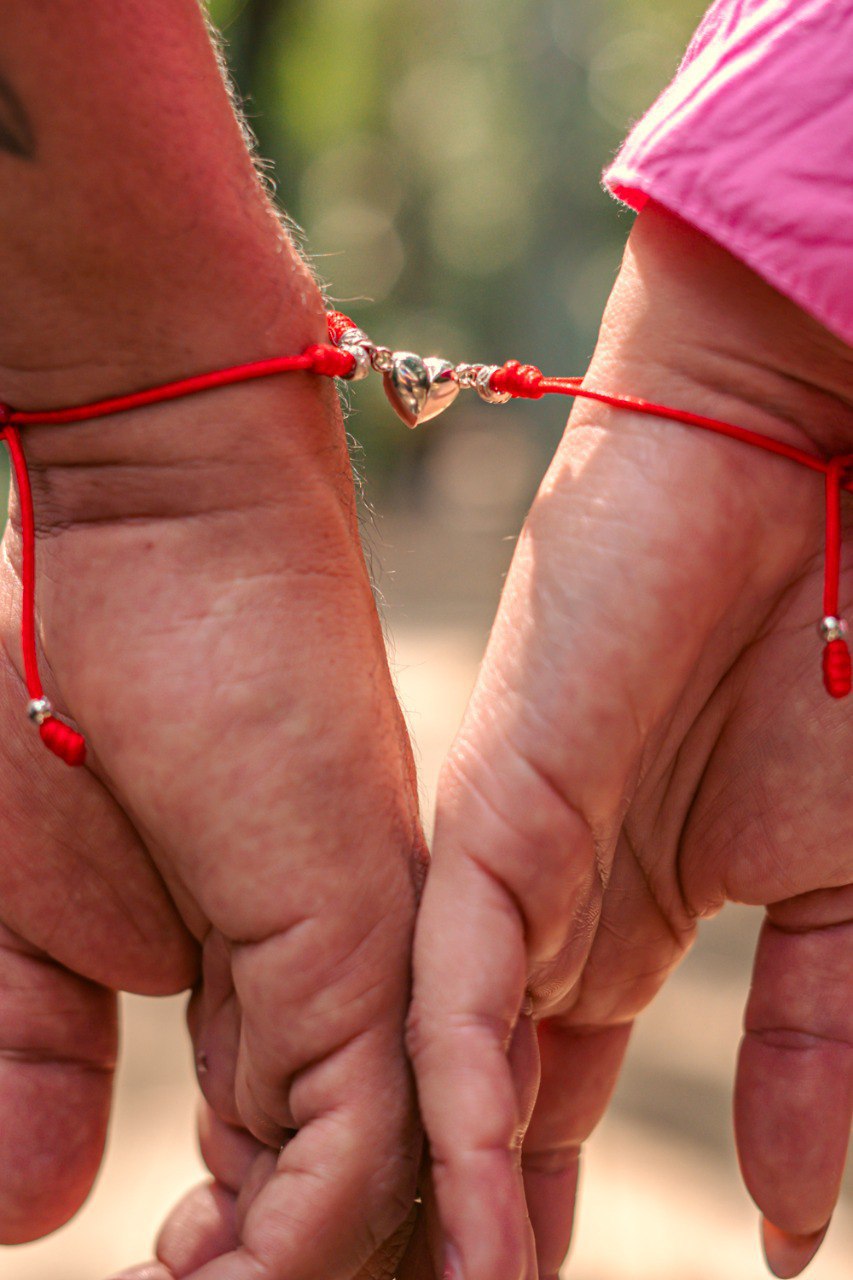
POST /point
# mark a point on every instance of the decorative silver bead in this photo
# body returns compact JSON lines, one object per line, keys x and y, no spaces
{"x":39,"y":710}
{"x":361,"y":355}
{"x":832,"y":628}
{"x":466,"y":374}
{"x":354,"y":338}
{"x":487,"y":393}
{"x":382,"y":359}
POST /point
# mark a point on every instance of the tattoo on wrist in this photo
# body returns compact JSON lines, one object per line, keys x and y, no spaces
{"x":16,"y":131}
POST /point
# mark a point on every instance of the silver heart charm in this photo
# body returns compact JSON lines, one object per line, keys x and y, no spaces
{"x":419,"y":389}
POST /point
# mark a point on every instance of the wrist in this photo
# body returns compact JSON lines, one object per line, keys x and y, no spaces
{"x":687,"y":314}
{"x":230,"y":446}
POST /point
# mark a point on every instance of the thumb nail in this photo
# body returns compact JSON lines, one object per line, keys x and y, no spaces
{"x":452,"y":1264}
{"x":146,"y":1271}
{"x":787,"y":1254}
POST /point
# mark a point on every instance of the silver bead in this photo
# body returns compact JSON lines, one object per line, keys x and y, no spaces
{"x":832,"y":628}
{"x":354,"y":338}
{"x":39,"y":710}
{"x":487,"y":393}
{"x":362,"y":365}
{"x":466,"y":374}
{"x":382,"y":359}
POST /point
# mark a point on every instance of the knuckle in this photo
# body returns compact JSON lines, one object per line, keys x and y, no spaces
{"x":506,"y":813}
{"x":797,"y":1040}
{"x":417,"y":1034}
{"x":555,"y":1161}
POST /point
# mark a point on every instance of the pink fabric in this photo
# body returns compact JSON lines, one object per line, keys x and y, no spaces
{"x":752,"y":143}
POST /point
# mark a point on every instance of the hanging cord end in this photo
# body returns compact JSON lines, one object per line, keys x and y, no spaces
{"x":58,"y":737}
{"x":837,"y":667}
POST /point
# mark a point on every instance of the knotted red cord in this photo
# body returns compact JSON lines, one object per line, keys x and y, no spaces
{"x":513,"y":378}
{"x":528,"y":382}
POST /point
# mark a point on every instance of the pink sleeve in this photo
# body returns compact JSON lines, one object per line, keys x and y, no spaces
{"x":752,"y":143}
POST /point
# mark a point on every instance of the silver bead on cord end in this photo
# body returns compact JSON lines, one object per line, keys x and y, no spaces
{"x":831,"y":628}
{"x":39,"y":710}
{"x":356,"y":343}
{"x":487,"y":392}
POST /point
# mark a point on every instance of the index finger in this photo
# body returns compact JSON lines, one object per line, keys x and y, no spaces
{"x":470,"y":978}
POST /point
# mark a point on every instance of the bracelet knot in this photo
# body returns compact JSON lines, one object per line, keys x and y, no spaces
{"x":338,"y":324}
{"x":517,"y":379}
{"x":330,"y":361}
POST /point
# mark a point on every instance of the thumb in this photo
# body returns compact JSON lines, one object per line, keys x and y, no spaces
{"x":58,"y":1043}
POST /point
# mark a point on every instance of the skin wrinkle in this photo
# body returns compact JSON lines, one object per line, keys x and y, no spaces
{"x":764,"y":403}
{"x":796,"y":1041}
{"x":16,"y":132}
{"x":668,"y":781}
{"x":341,"y":971}
{"x":795,"y":930}
{"x":681,"y":934}
{"x":48,"y":526}
{"x":724,"y":364}
{"x":49,"y":1058}
{"x":468,"y":781}
{"x":396,"y":1210}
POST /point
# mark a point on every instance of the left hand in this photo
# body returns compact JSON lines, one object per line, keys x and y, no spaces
{"x":649,"y":737}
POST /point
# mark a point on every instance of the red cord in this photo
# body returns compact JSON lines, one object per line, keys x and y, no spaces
{"x":513,"y":378}
{"x":319,"y":358}
{"x":60,"y":738}
{"x":529,"y":382}
{"x":837,"y":667}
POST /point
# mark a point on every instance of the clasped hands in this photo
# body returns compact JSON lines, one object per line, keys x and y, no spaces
{"x":647,"y":739}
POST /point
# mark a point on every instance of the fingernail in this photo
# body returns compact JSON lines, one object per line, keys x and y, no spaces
{"x":145,"y":1271}
{"x":452,"y":1264}
{"x":787,"y":1254}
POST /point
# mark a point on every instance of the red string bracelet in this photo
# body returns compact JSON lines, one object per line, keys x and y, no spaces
{"x":418,"y":390}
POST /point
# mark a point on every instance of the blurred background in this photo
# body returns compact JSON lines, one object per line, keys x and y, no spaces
{"x":443,"y":163}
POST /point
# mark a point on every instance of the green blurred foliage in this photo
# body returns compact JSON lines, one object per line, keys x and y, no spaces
{"x":444,"y":162}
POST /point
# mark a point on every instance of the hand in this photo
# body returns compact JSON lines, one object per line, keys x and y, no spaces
{"x":248,"y":824}
{"x":648,"y":738}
